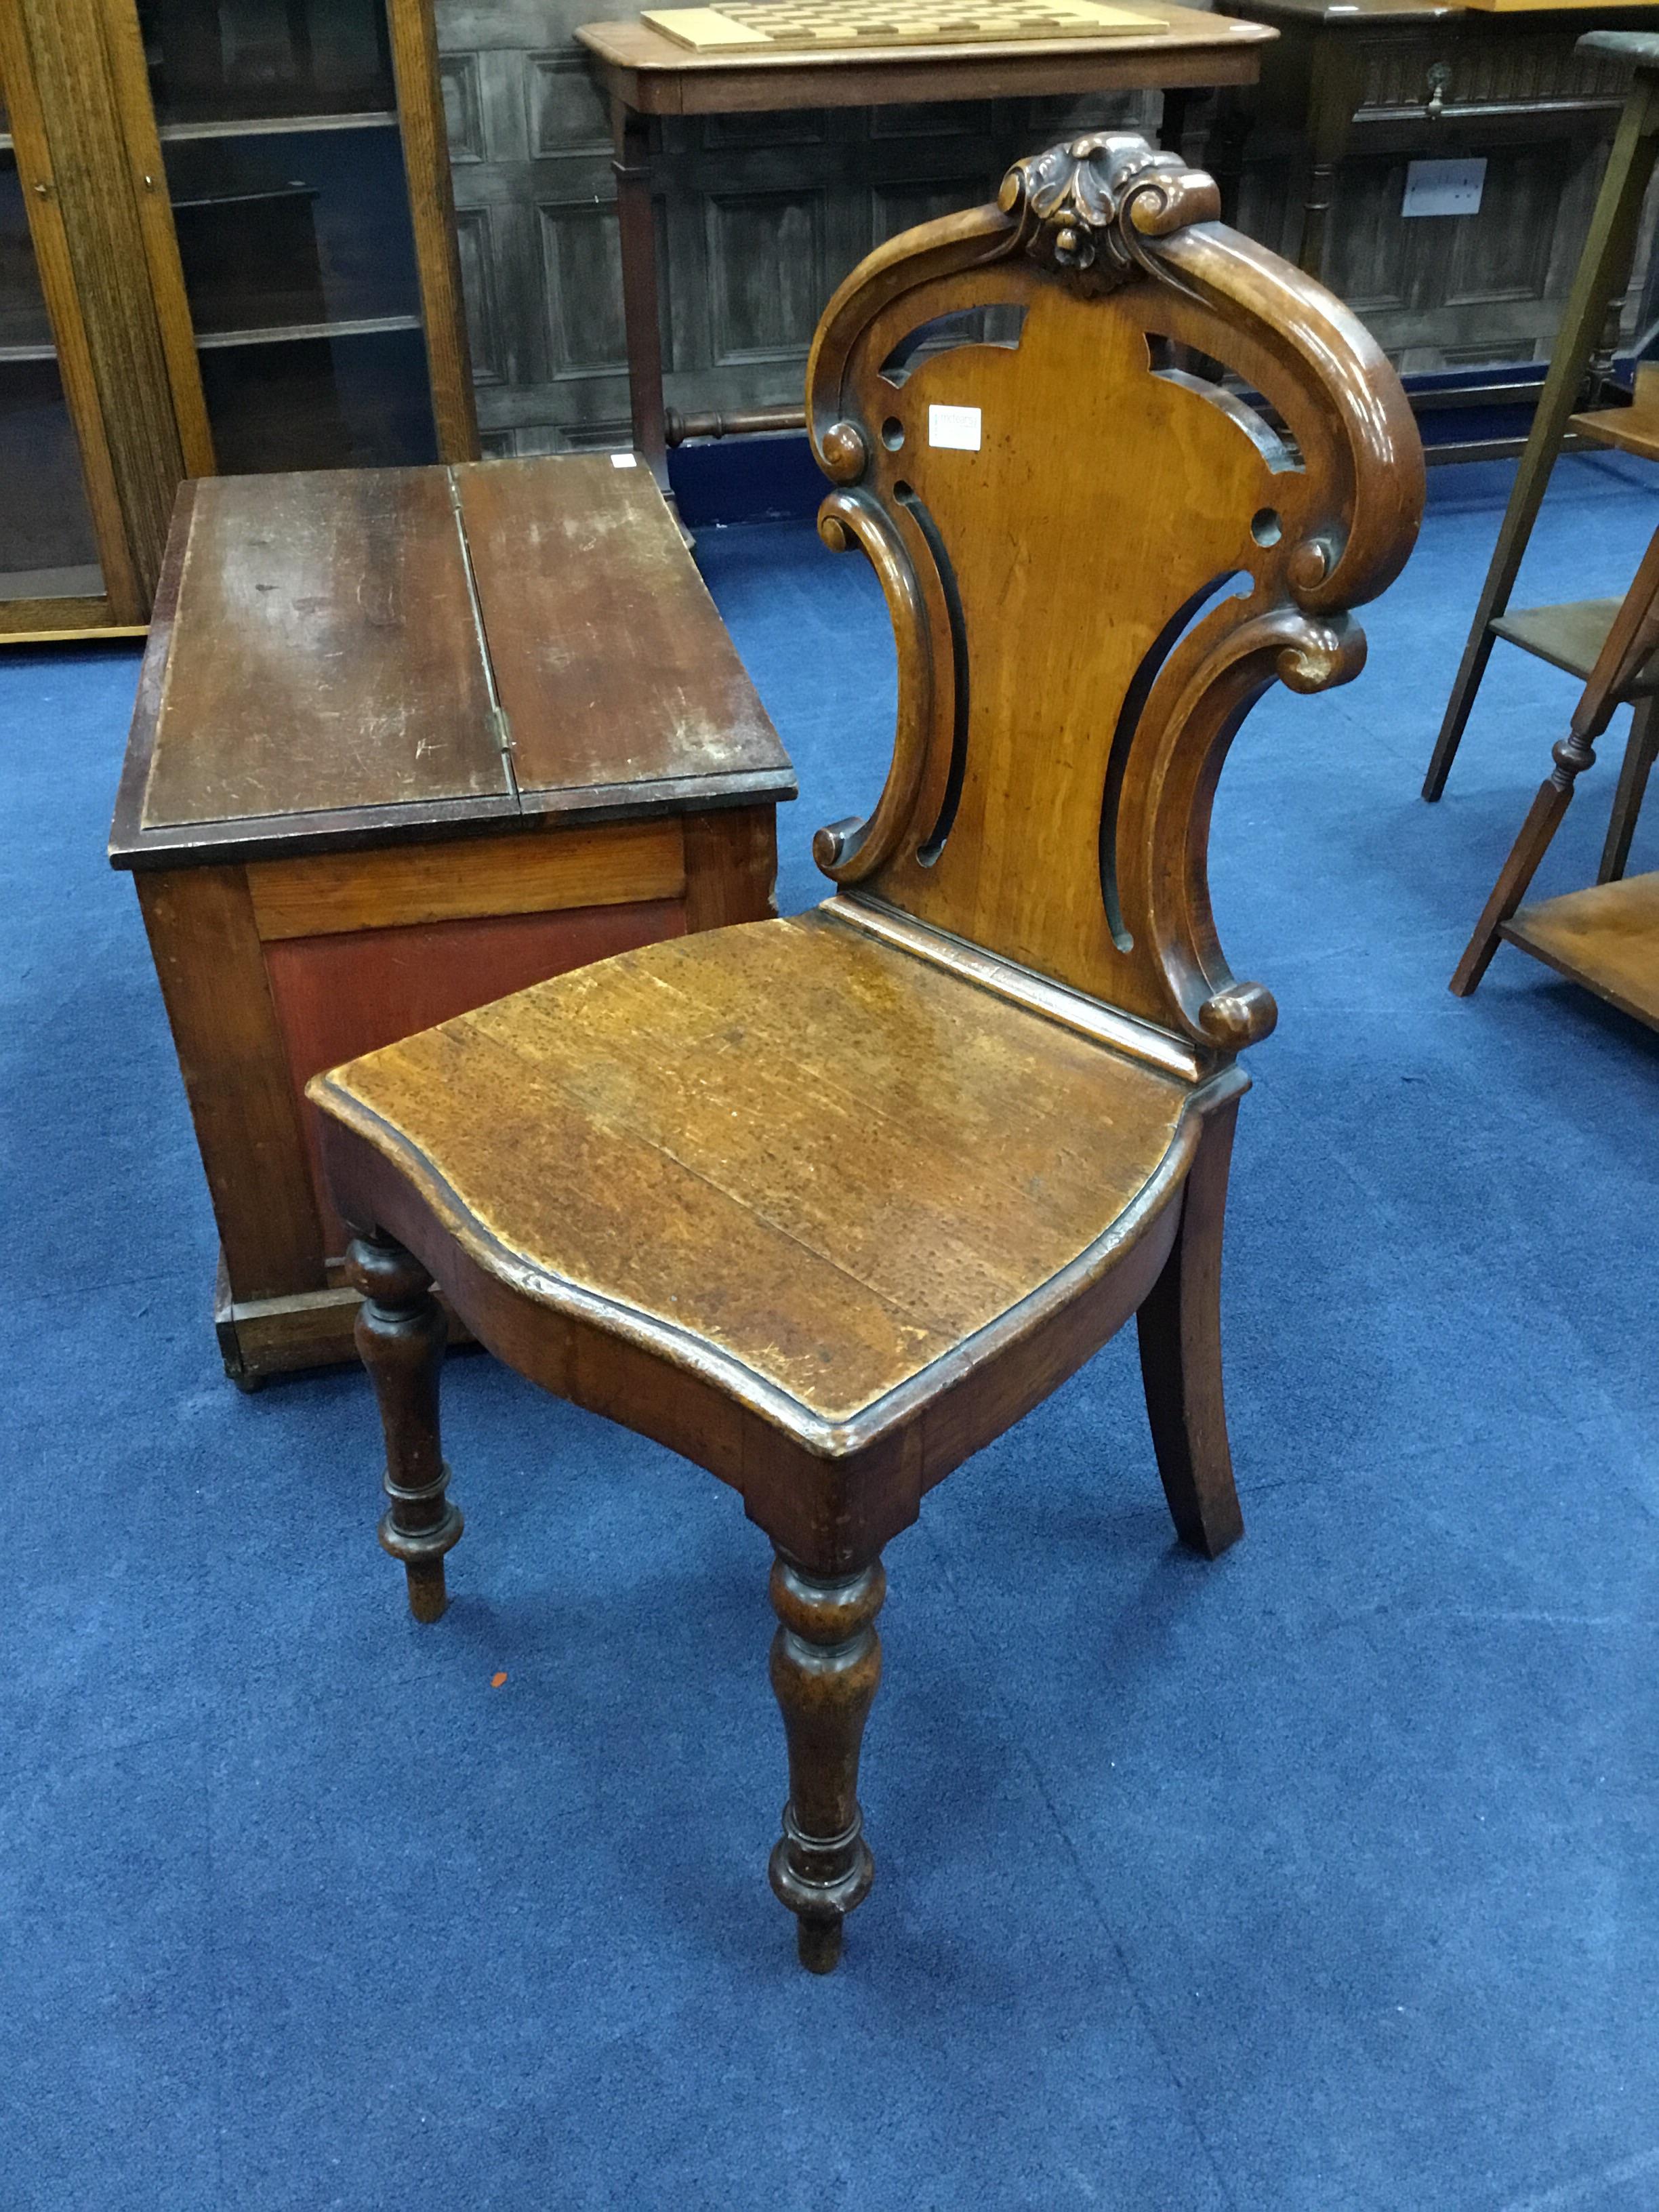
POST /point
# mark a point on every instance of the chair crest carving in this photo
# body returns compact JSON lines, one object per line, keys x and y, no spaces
{"x":1097,"y":558}
{"x":1083,"y":209}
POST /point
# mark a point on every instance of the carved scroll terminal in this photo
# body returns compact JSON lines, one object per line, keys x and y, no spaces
{"x":1085,"y":208}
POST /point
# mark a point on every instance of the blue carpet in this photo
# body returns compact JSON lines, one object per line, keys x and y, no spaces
{"x":1322,"y":1877}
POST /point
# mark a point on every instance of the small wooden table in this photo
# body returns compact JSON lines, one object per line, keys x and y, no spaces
{"x":406,"y":740}
{"x":645,"y":74}
{"x":1603,"y":272}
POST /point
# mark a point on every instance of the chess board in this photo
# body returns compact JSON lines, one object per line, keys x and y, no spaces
{"x":782,"y":25}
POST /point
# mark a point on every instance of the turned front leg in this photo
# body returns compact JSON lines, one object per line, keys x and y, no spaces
{"x":826,"y":1662}
{"x":401,"y":1330}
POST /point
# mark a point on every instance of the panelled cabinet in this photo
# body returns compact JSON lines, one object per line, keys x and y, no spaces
{"x":225,"y":246}
{"x":1356,"y":90}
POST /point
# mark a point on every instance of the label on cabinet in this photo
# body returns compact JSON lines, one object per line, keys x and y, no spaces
{"x":1445,"y":187}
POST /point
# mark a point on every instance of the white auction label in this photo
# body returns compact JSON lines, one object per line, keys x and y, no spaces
{"x":957,"y":427}
{"x":1445,"y":187}
{"x":624,"y":460}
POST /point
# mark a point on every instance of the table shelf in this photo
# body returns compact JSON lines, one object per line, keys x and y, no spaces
{"x":1569,"y":636}
{"x":1606,"y":937}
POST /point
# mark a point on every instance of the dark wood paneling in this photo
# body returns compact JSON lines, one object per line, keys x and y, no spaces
{"x":581,"y":271}
{"x":759,"y":217}
{"x":901,"y":204}
{"x":458,"y":81}
{"x":765,"y":257}
{"x":567,"y":108}
{"x":1369,"y":258}
{"x":475,"y":247}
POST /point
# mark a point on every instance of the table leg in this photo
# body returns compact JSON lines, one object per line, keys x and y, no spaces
{"x":1224,"y":155}
{"x":1330,"y":119}
{"x":1172,"y":124}
{"x":1639,"y":753}
{"x":641,"y":306}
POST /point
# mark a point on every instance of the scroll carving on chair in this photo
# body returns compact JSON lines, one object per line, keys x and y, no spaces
{"x":826,"y":1204}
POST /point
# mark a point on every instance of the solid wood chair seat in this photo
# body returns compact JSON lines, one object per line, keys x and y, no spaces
{"x":857,"y":1163}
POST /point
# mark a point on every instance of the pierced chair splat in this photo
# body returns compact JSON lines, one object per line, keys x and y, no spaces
{"x":827,"y":1204}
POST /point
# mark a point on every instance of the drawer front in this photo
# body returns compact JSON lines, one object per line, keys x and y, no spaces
{"x":1450,"y":73}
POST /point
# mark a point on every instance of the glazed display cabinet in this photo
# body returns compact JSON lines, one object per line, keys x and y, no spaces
{"x":226,"y":245}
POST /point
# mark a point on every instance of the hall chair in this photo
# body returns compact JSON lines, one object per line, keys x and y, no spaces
{"x":826,"y":1204}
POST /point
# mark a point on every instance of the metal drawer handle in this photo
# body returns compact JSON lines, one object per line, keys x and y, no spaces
{"x":1440,"y":83}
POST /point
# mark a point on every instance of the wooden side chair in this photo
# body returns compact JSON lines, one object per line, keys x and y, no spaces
{"x":825,"y":1204}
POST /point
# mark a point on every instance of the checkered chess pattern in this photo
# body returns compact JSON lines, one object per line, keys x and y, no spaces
{"x":807,"y":24}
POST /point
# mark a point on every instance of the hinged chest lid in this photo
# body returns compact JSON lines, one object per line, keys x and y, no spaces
{"x":358,"y":656}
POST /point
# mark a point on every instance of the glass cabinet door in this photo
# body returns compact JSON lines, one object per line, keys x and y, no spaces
{"x":284,"y":166}
{"x":48,"y":547}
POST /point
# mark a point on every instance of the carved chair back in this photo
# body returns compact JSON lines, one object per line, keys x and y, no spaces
{"x":1095,"y":558}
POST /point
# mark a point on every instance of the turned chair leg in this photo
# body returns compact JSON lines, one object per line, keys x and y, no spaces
{"x":826,"y":1662}
{"x":400,"y":1332}
{"x":1179,"y":1326}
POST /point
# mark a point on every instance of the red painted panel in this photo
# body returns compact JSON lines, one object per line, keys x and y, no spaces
{"x":339,"y":996}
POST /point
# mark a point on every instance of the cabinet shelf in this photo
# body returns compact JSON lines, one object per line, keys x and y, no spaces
{"x":275,"y":126}
{"x":84,"y":580}
{"x":358,"y":326}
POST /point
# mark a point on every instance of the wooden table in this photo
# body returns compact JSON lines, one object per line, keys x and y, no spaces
{"x":406,"y":740}
{"x":646,"y":75}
